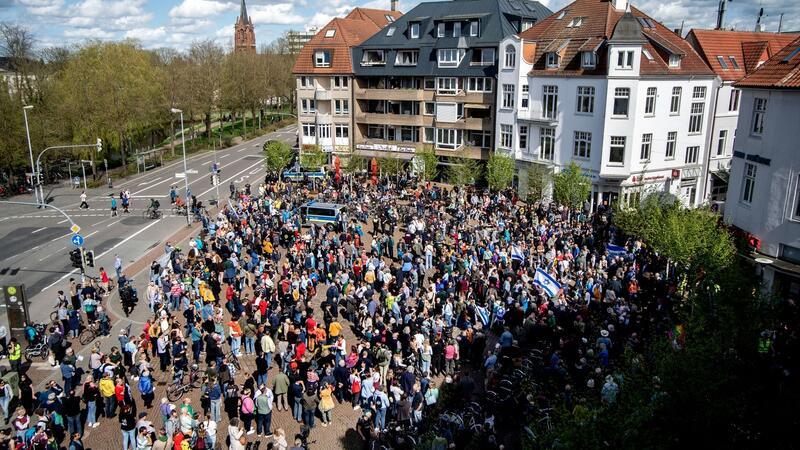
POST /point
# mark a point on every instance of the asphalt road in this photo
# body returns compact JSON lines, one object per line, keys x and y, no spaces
{"x":35,"y":244}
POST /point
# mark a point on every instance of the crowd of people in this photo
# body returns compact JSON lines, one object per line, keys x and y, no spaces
{"x":442,"y":288}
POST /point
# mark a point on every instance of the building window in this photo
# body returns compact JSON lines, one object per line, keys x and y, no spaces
{"x":585,"y":103}
{"x":473,"y":28}
{"x":308,"y":106}
{"x":733,"y":103}
{"x":647,"y":144}
{"x":616,"y":154}
{"x":373,"y":58}
{"x":324,"y":131}
{"x":759,"y":111}
{"x":511,"y":57}
{"x":440,"y":28}
{"x":552,"y":60}
{"x":450,"y":57}
{"x":525,"y":95}
{"x":526,"y":24}
{"x":734,"y":63}
{"x":625,"y":59}
{"x":306,"y":82}
{"x":508,"y":96}
{"x":691,"y":154}
{"x":309,"y":129}
{"x":322,"y":59}
{"x":448,"y":85}
{"x":479,"y":84}
{"x":650,"y":102}
{"x":414,"y":30}
{"x":588,"y":60}
{"x":407,"y":58}
{"x":675,"y":102}
{"x":341,"y":107}
{"x":429,"y":84}
{"x":672,"y":138}
{"x":575,"y":22}
{"x":549,"y":102}
{"x":390,"y":31}
{"x":622,"y":97}
{"x":427,"y":135}
{"x":482,"y":139}
{"x":342,"y":131}
{"x":430,"y":108}
{"x":547,"y":143}
{"x":330,"y":33}
{"x":722,"y":62}
{"x":523,"y":137}
{"x":749,"y":182}
{"x":796,"y":209}
{"x":448,"y":138}
{"x":506,"y":135}
{"x":699,"y":93}
{"x":457,"y":29}
{"x":376,"y":132}
{"x":582,"y":145}
{"x":674,"y":61}
{"x":696,"y":117}
{"x":341,"y":82}
{"x":482,"y":56}
{"x":721,"y":141}
{"x":647,"y":54}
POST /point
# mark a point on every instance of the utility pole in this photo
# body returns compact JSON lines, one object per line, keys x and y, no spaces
{"x":30,"y":151}
{"x":83,"y":169}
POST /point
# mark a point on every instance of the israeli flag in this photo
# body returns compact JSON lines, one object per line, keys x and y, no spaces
{"x":546,"y":282}
{"x":616,"y":250}
{"x":516,"y":253}
{"x":483,"y":315}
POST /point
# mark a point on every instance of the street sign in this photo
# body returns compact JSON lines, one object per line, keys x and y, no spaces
{"x":180,"y":175}
{"x":77,"y":239}
{"x":75,"y":228}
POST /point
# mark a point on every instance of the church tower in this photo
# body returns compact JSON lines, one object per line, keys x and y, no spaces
{"x":245,"y":37}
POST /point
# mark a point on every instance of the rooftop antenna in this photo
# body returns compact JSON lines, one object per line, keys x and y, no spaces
{"x":780,"y":23}
{"x":758,"y":21}
{"x":721,"y":13}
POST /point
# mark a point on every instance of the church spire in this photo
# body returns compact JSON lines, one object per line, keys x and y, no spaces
{"x":243,"y":13}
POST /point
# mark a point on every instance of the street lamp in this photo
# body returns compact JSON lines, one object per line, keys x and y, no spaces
{"x":185,"y":173}
{"x":30,"y":152}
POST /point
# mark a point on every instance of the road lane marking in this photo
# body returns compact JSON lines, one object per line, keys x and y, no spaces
{"x":233,"y":177}
{"x":40,"y":229}
{"x":61,"y":237}
{"x":198,"y":178}
{"x":113,"y":223}
{"x":225,"y":155}
{"x":59,"y":223}
{"x":254,"y":171}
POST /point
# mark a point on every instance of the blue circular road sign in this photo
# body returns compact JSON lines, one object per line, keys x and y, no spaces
{"x":77,"y":239}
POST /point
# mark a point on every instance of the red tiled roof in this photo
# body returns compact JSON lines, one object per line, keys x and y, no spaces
{"x":599,"y":21}
{"x":354,"y":29}
{"x":748,"y":48}
{"x":781,"y":71}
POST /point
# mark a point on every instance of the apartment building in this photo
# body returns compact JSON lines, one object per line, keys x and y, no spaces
{"x":297,"y":39}
{"x":764,"y":189}
{"x":429,"y":78}
{"x":605,"y":85}
{"x":324,"y":77}
{"x":732,"y":55}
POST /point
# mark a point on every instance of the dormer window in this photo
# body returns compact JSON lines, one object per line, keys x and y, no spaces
{"x":330,"y":33}
{"x":588,"y":60}
{"x":561,"y":14}
{"x":576,"y":22}
{"x":440,"y":29}
{"x":373,"y":58}
{"x":390,"y":31}
{"x":322,"y":58}
{"x":674,"y":61}
{"x":551,"y":60}
{"x":647,"y":54}
{"x":525,"y":25}
{"x":625,"y":59}
{"x":473,"y":28}
{"x":457,"y":29}
{"x":450,"y":57}
{"x":414,"y":30}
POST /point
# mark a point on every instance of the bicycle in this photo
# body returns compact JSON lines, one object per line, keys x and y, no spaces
{"x":233,"y":360}
{"x":89,"y":333}
{"x":41,"y":350}
{"x":151,"y":214}
{"x":179,"y":210}
{"x":176,"y":390}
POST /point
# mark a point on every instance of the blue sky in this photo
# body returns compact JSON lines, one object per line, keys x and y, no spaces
{"x":177,"y":23}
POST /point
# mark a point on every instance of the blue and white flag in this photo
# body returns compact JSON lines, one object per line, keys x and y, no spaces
{"x":483,"y":314}
{"x":516,"y":253}
{"x":546,"y":282}
{"x":616,"y":250}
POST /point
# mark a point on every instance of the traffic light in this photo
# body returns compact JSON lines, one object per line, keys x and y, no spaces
{"x":99,"y":145}
{"x":75,"y":258}
{"x":88,"y":258}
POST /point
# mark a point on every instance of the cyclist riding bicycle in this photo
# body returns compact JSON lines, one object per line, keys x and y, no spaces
{"x":153,"y":208}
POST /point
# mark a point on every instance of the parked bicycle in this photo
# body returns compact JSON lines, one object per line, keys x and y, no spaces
{"x":89,"y":333}
{"x":176,"y":390}
{"x":39,"y":350}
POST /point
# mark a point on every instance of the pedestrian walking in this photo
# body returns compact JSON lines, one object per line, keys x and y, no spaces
{"x":84,"y":205}
{"x":113,"y":206}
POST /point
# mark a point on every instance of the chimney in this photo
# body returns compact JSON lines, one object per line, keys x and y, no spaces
{"x":620,"y":5}
{"x":394,"y":5}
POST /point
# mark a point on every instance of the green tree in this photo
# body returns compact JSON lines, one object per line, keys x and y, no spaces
{"x":313,"y":158}
{"x":539,"y":178}
{"x":355,"y":164}
{"x":278,"y":155}
{"x":499,"y":171}
{"x":463,"y":171}
{"x":430,"y":164}
{"x":390,"y":167}
{"x":570,"y":186}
